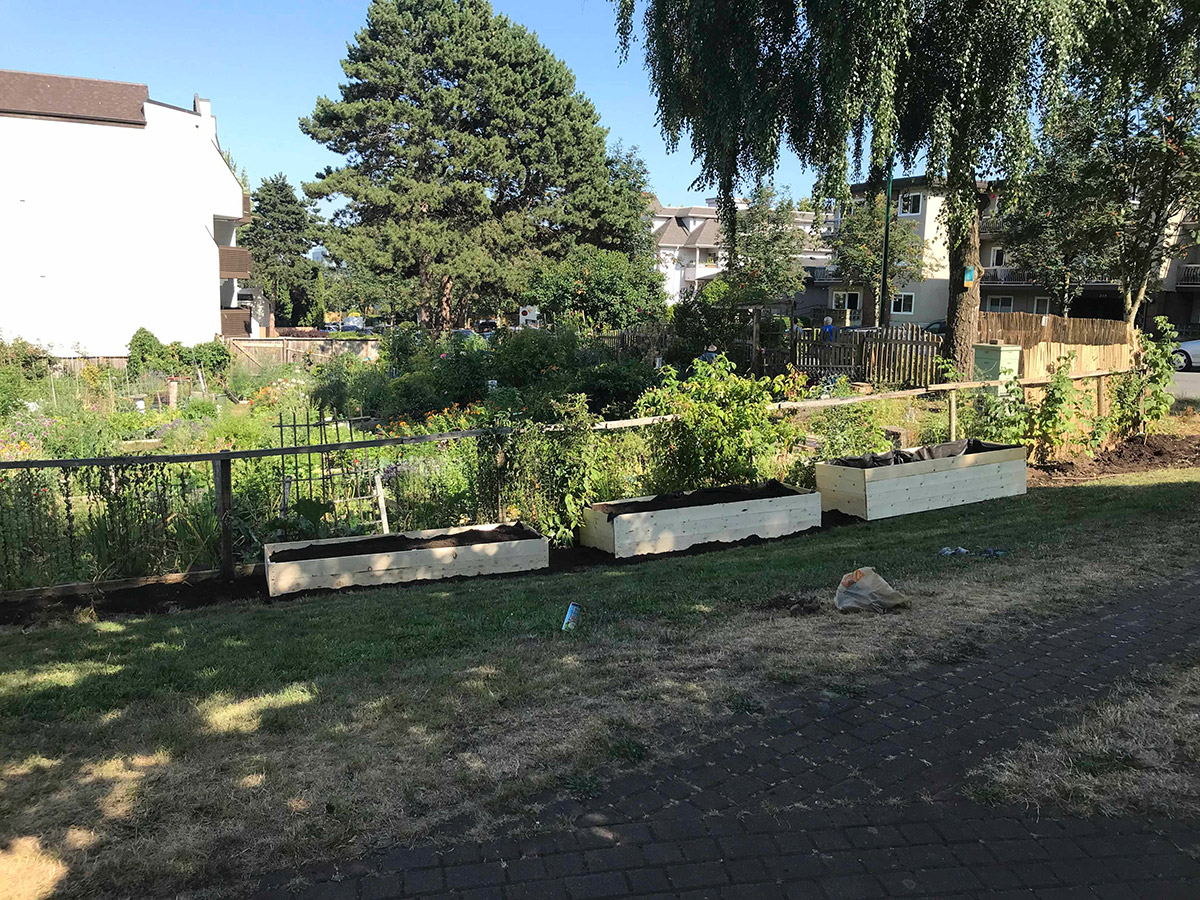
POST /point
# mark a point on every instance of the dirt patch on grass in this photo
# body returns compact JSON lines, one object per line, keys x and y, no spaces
{"x":1136,"y":754}
{"x":1158,"y":451}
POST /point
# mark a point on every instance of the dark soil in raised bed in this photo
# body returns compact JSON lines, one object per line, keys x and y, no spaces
{"x":765,"y":490}
{"x":1159,"y":451}
{"x":394,"y":543}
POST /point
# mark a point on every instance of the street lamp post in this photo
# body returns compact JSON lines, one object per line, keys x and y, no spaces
{"x":885,"y":302}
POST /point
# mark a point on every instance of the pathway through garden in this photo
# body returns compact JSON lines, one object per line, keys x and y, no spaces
{"x":881,"y":777}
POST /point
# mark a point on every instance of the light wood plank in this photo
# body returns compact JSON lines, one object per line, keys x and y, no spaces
{"x":661,"y":531}
{"x":520,"y":555}
{"x":934,"y":481}
{"x":928,"y":466}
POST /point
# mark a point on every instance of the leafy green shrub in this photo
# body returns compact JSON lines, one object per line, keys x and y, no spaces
{"x":200,"y":409}
{"x":1058,"y":418}
{"x":211,"y":356}
{"x":526,"y":357}
{"x":22,"y":366}
{"x":148,"y":354}
{"x":606,"y":287}
{"x":852,"y":429}
{"x":613,"y":388}
{"x":554,"y":475}
{"x":346,"y":385}
{"x":710,"y":316}
{"x":994,"y":416}
{"x":1140,"y":398}
{"x":724,"y":426}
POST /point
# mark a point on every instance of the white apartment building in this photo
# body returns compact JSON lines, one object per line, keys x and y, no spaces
{"x":118,"y":212}
{"x":689,"y":244}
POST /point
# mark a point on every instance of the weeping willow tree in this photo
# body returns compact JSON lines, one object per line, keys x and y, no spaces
{"x":849,"y":84}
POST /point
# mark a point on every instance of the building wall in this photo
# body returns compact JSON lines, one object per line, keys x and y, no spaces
{"x":107,"y":229}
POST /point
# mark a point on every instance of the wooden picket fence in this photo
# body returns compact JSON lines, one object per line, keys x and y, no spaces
{"x":902,"y":355}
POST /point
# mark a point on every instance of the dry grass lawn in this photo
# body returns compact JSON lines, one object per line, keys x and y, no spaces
{"x":1135,"y":754}
{"x":182,"y":754}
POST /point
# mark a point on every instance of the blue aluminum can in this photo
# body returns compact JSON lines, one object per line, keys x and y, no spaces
{"x":572,"y":618}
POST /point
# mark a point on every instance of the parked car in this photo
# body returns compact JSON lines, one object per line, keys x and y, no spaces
{"x":1186,"y":356}
{"x":938,"y":327}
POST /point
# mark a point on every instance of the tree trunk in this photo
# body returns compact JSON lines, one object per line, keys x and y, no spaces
{"x":962,"y":312}
{"x":447,"y":298}
{"x":1133,"y":302}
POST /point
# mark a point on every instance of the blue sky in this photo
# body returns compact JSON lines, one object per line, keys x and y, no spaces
{"x":264,"y":63}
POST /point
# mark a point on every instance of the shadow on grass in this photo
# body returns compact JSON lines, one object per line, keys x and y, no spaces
{"x":147,"y":754}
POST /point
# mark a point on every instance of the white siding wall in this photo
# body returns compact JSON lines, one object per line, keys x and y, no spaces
{"x":106,"y":229}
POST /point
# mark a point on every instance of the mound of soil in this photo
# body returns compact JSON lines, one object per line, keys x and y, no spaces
{"x":1159,"y":451}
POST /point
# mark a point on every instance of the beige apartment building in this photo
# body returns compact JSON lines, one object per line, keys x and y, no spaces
{"x":689,"y":241}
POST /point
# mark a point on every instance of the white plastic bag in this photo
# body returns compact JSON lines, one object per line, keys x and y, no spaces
{"x":865,"y":589}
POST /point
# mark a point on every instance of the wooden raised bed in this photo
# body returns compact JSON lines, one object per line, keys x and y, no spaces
{"x":410,"y":556}
{"x":669,"y":522}
{"x":984,"y":472}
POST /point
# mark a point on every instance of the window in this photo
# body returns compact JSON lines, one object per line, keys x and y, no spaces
{"x":910,"y":204}
{"x":902,"y":304}
{"x":998,"y":256}
{"x":845,"y":299}
{"x":1041,"y":305}
{"x":999,"y":304}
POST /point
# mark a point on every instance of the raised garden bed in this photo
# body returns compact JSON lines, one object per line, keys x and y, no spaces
{"x":669,"y":522}
{"x":881,"y":485}
{"x":410,"y":556}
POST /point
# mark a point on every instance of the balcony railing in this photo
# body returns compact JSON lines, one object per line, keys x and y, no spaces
{"x":825,"y":273}
{"x":1007,"y":275}
{"x":1189,"y":275}
{"x":1010,"y":275}
{"x":697,"y":271}
{"x":235,"y":262}
{"x":989,"y":225}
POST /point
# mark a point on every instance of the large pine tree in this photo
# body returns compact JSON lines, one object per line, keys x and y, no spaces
{"x":469,"y":156}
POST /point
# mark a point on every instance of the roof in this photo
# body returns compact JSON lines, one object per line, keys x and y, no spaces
{"x":671,"y":234}
{"x":707,"y":234}
{"x":898,"y":184}
{"x":72,"y":99}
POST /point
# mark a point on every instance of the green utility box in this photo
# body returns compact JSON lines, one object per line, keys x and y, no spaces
{"x":996,"y":362}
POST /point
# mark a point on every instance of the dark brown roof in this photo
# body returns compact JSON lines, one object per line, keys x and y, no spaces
{"x":708,"y":234}
{"x":671,"y":234}
{"x":73,"y":99}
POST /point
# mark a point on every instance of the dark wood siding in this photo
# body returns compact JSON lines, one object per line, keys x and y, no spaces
{"x":235,"y":323}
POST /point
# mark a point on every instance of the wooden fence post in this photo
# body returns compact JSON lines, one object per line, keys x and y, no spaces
{"x":223,"y":485}
{"x":954,"y":415}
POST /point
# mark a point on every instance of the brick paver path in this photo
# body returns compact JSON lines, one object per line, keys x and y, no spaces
{"x":880,"y":776}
